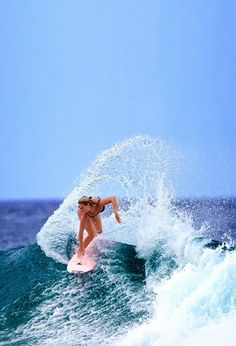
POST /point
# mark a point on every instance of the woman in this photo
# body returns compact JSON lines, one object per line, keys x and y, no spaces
{"x":88,"y":211}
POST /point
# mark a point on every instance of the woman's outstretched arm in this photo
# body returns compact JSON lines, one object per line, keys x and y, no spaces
{"x":114,"y":202}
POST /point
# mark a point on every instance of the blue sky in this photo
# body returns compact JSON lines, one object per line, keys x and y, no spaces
{"x":79,"y":76}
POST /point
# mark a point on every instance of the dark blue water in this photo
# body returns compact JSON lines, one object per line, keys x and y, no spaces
{"x":21,"y":220}
{"x":41,"y":304}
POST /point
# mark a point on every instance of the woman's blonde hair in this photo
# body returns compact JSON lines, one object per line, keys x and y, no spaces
{"x":86,"y":200}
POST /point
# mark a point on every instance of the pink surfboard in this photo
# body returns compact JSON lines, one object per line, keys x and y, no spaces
{"x":81,"y":264}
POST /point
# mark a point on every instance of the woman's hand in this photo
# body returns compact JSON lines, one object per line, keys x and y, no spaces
{"x":117,"y":216}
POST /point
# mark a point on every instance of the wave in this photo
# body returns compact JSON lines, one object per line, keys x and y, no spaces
{"x":42,"y":304}
{"x":126,"y":300}
{"x":159,"y":279}
{"x":136,"y":170}
{"x":192,"y":302}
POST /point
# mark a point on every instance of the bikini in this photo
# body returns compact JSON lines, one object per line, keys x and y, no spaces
{"x":101,"y":211}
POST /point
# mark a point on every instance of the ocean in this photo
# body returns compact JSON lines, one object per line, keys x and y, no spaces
{"x":166,"y":276}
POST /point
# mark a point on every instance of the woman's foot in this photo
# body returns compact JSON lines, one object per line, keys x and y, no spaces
{"x":78,"y":258}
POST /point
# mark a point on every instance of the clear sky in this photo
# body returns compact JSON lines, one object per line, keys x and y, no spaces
{"x":79,"y":76}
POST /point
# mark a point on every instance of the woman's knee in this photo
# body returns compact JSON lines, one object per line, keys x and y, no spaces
{"x":90,"y":229}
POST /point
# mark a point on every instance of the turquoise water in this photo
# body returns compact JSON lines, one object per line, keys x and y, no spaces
{"x":40,"y":300}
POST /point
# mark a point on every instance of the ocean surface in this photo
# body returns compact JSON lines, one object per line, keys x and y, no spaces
{"x":166,"y":276}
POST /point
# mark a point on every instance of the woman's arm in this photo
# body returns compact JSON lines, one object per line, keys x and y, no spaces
{"x":114,"y":202}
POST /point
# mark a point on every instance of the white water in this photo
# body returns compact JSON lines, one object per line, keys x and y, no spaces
{"x":135,"y":168}
{"x":192,"y":305}
{"x":195,"y":303}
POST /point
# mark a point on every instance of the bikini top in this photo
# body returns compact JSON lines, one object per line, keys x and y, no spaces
{"x":102,"y":209}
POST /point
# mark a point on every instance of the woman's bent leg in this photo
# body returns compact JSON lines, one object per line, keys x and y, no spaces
{"x":97,"y":222}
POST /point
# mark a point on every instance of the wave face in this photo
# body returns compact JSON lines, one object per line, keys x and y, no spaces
{"x":41,"y":304}
{"x":159,"y":279}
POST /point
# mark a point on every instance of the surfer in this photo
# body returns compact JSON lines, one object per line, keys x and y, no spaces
{"x":89,"y":209}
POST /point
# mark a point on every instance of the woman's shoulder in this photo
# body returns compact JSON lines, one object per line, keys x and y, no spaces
{"x":95,"y":199}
